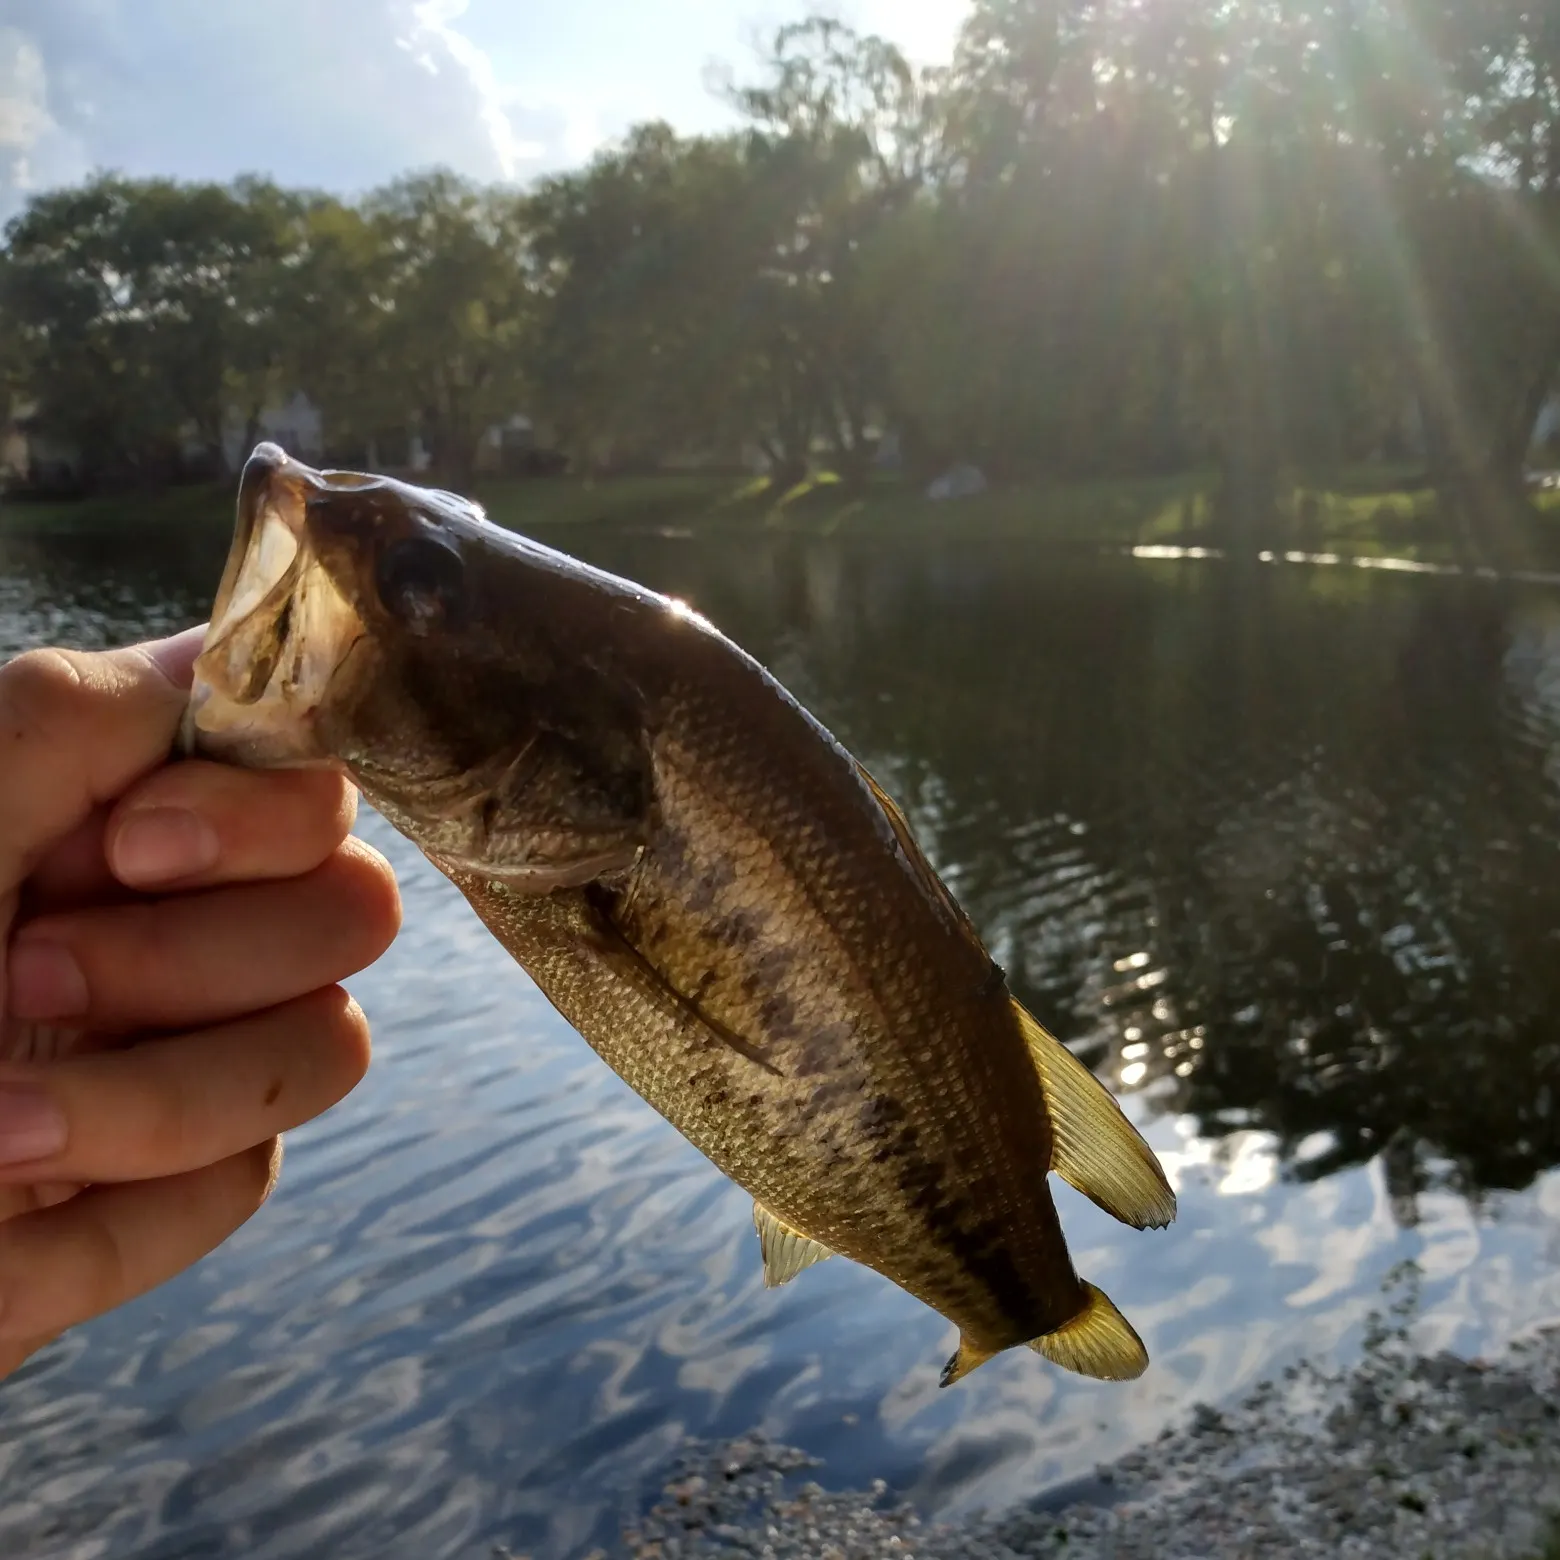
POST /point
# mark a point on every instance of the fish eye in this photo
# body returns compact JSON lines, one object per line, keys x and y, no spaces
{"x":421,"y":582}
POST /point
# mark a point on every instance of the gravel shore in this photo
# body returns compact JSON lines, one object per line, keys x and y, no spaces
{"x":1404,"y":1457}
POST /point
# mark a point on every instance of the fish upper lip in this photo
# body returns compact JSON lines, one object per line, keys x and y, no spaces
{"x":270,"y":571}
{"x":256,"y":483}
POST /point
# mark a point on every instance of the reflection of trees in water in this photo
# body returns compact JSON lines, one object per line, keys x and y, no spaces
{"x":1280,"y":848}
{"x":1305,"y":812}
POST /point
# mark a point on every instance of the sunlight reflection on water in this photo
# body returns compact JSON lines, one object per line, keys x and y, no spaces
{"x":1285,"y":870}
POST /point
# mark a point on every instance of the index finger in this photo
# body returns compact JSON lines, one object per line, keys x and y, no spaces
{"x":76,"y":729}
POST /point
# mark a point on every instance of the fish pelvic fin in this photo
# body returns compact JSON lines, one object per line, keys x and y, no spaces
{"x":968,"y":1356}
{"x":1098,"y":1341}
{"x":1094,"y":1147}
{"x":786,"y":1251}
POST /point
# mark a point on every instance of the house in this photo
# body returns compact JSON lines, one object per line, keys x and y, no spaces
{"x":35,"y":460}
{"x":1546,"y":430}
{"x":295,"y":424}
{"x":1543,"y":448}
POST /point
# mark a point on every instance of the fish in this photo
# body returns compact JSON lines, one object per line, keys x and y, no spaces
{"x":701,"y":880}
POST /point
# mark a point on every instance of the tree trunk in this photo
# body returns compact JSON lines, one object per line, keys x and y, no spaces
{"x":251,"y":434}
{"x":1247,"y":504}
{"x":1480,"y":473}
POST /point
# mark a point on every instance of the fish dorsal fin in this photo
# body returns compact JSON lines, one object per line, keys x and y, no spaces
{"x":786,"y":1251}
{"x":919,"y":865}
{"x":1098,"y":1341}
{"x":968,"y":1356}
{"x":1094,"y":1147}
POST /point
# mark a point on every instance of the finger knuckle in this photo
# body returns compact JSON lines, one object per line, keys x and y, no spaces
{"x":339,"y":1050}
{"x":329,"y":798}
{"x":36,"y":689}
{"x":150,"y":949}
{"x":14,"y":1355}
{"x":164,"y":1119}
{"x":368,"y":881}
{"x":102,"y":1259}
{"x":354,"y":1042}
{"x":323,"y":807}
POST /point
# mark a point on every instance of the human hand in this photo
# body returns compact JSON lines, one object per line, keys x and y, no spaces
{"x":167,"y":1005}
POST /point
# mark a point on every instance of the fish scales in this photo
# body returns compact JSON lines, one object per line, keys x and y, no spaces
{"x":903,"y":1123}
{"x":701,"y":880}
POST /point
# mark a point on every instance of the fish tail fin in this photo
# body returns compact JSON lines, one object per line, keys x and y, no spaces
{"x":969,"y":1355}
{"x":1098,"y":1341}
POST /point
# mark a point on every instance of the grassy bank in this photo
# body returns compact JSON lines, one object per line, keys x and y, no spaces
{"x":1369,"y":512}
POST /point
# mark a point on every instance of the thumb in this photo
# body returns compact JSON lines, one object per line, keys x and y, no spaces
{"x":78,"y":728}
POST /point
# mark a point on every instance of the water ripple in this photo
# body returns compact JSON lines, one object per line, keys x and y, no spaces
{"x":1279,"y":860}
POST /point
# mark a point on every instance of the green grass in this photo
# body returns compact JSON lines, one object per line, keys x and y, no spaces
{"x":1360,"y":512}
{"x":1363,"y":512}
{"x":665,"y":497}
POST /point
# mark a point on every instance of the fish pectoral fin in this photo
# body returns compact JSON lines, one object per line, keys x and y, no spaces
{"x":613,"y":948}
{"x":1094,"y":1147}
{"x":1098,"y":1341}
{"x":542,"y":877}
{"x":965,"y":1359}
{"x":786,"y":1250}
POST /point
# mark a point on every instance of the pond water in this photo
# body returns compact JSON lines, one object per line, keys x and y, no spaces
{"x":1276,"y":849}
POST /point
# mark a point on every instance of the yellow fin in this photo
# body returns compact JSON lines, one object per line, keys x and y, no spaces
{"x":1095,"y":1148}
{"x":786,"y":1251}
{"x":968,"y":1357}
{"x":1098,"y":1341}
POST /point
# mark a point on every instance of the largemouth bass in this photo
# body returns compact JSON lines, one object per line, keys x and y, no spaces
{"x":701,"y":880}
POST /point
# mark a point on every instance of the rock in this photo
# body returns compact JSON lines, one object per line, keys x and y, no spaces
{"x":1471,"y":1471}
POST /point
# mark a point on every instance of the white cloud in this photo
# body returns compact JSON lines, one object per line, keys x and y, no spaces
{"x":33,"y":148}
{"x":343,"y":95}
{"x":435,"y":21}
{"x":24,"y":112}
{"x":347,"y":94}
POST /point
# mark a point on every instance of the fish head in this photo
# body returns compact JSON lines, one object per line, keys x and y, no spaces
{"x":341,"y":591}
{"x":391,"y":632}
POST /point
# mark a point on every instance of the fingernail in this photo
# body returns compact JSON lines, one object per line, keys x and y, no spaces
{"x":32,"y":1126}
{"x":161,"y":845}
{"x":44,"y":981}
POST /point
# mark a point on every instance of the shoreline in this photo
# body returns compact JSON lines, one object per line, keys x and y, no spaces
{"x":1359,"y":513}
{"x":1404,"y":1456}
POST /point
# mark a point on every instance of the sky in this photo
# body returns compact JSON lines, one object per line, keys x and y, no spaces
{"x":345,"y":94}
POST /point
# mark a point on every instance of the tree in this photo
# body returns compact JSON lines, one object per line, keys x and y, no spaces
{"x":1112,"y":237}
{"x":642,"y":261}
{"x":843,"y":141}
{"x":331,"y":303}
{"x":455,"y":309}
{"x":140,"y":310}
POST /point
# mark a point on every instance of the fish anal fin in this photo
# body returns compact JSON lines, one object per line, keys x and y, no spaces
{"x":786,"y":1250}
{"x":967,"y":1357}
{"x":1094,"y":1147}
{"x":1098,"y":1341}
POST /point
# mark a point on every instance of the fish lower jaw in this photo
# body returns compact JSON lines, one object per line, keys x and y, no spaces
{"x":238,"y":734}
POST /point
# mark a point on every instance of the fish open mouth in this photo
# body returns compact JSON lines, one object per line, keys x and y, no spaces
{"x":280,"y":627}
